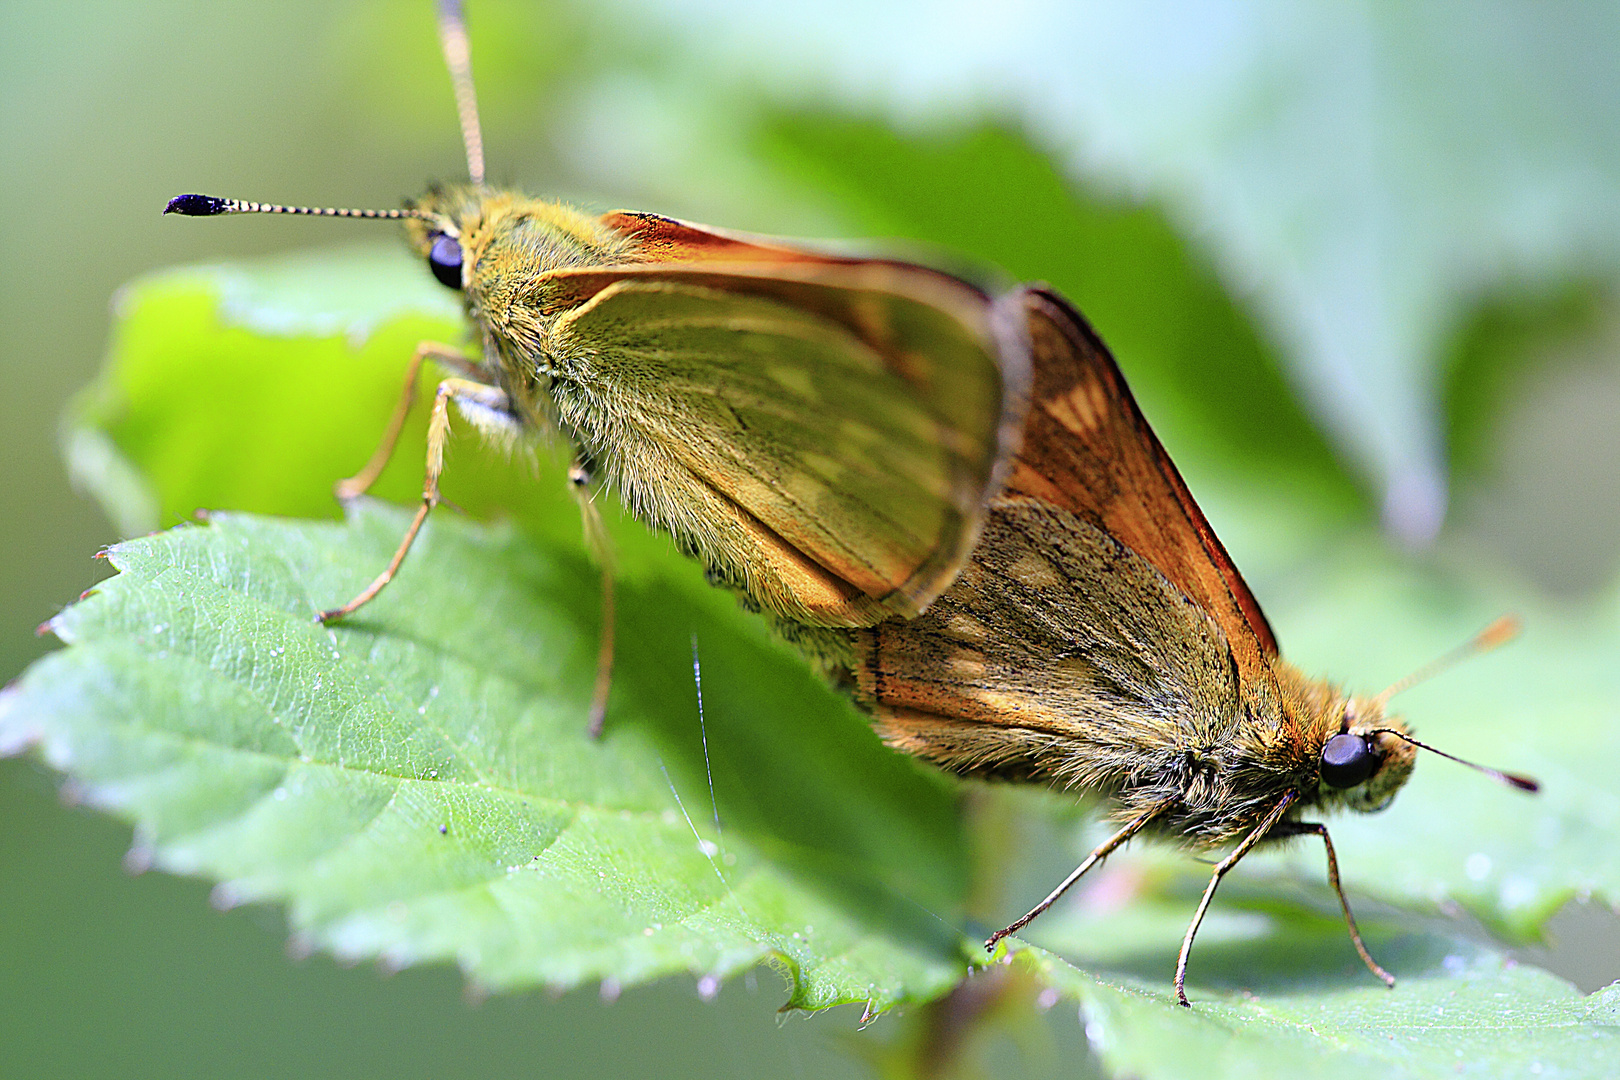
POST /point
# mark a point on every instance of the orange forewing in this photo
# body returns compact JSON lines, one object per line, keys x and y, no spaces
{"x":1088,"y":449}
{"x":665,"y":240}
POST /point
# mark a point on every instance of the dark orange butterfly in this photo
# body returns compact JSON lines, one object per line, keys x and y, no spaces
{"x":1100,"y":639}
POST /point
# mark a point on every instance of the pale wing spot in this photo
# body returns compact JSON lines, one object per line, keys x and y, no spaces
{"x":1080,"y":410}
{"x":1004,"y":707}
{"x":959,"y":442}
{"x":819,"y":468}
{"x":874,"y":321}
{"x":1100,"y":404}
{"x":796,"y":380}
{"x":964,"y":627}
{"x":1062,"y":410}
{"x":809,"y":491}
{"x":858,"y":435}
{"x":965,"y":666}
{"x":1034,"y":571}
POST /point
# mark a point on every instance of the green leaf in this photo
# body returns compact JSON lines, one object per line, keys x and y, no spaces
{"x":1295,"y":1000}
{"x":416,"y":784}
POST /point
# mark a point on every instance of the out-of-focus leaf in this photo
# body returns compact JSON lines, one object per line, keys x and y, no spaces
{"x":1364,"y":172}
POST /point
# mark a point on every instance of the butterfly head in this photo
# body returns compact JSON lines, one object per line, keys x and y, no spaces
{"x":448,"y":215}
{"x":1367,"y":761}
{"x":497,"y":243}
{"x":1365,"y":764}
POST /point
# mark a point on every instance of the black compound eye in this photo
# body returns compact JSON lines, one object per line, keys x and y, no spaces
{"x":444,"y":259}
{"x":1347,"y":760}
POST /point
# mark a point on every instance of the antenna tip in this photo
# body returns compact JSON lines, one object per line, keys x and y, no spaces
{"x":1523,"y":783}
{"x":1500,"y":632}
{"x":197,"y":205}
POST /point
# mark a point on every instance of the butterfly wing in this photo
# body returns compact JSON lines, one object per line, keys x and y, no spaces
{"x":1100,"y":636}
{"x":1087,"y":448}
{"x":824,"y":433}
{"x":1058,"y":655}
{"x":666,"y":240}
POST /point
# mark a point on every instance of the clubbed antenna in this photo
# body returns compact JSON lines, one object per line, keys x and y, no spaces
{"x":1523,"y":783}
{"x":458,"y":56}
{"x":209,"y":206}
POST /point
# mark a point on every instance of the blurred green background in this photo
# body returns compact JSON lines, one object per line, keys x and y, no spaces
{"x":110,"y":109}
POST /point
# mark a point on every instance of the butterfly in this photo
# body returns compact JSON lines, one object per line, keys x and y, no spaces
{"x":1101,"y":639}
{"x":821,"y":432}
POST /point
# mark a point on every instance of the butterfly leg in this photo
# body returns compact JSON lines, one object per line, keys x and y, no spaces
{"x":489,"y":399}
{"x":600,"y":546}
{"x":361,"y":482}
{"x":1105,"y":849}
{"x":1221,"y":868}
{"x":1316,"y":828}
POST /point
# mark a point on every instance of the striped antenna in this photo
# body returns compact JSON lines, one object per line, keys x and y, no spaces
{"x":208,"y":206}
{"x":458,"y":56}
